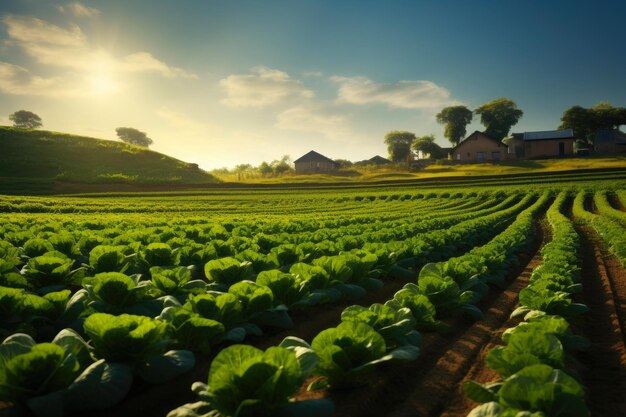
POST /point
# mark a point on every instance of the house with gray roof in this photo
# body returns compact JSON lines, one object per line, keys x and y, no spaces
{"x":313,"y":162}
{"x":541,"y":144}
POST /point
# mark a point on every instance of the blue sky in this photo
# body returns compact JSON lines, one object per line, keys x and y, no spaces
{"x":227,"y":82}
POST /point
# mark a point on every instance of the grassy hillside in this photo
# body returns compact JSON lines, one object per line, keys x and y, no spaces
{"x":41,"y":157}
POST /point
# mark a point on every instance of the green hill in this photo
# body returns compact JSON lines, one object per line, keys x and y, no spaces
{"x":36,"y":158}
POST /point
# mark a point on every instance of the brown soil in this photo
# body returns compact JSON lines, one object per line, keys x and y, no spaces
{"x":460,"y":405}
{"x":604,"y":364}
{"x":615,"y":202}
{"x":425,"y":386}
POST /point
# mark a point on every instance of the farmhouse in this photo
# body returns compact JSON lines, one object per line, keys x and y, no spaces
{"x":479,"y":147}
{"x":548,"y":144}
{"x":313,"y":162}
{"x":378,"y":160}
{"x":609,"y":141}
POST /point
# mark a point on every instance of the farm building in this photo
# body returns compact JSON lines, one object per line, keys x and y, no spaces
{"x":542,"y":144}
{"x":313,"y":162}
{"x":378,"y":160}
{"x":609,"y":141}
{"x":479,"y":147}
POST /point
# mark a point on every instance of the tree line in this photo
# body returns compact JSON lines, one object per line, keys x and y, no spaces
{"x":498,"y":116}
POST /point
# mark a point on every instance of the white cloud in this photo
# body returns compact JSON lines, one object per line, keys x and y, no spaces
{"x":30,"y":30}
{"x":418,"y":94}
{"x":59,"y":47}
{"x":145,"y":62}
{"x":79,"y":10}
{"x":314,"y":119}
{"x":262,"y":87}
{"x":17,"y":80}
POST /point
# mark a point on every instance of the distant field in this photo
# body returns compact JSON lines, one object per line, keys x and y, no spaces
{"x":436,"y":171}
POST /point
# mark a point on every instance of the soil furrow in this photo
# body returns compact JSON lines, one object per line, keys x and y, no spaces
{"x":604,"y":364}
{"x":460,"y":405}
{"x":423,"y":387}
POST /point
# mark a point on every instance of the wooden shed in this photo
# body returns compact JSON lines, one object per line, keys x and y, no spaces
{"x":313,"y":162}
{"x":479,"y":147}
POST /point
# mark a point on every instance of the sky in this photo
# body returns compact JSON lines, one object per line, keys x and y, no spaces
{"x":225,"y":82}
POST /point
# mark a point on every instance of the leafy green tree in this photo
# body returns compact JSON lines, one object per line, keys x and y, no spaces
{"x":399,"y":145}
{"x":427,"y":145}
{"x":264,"y":169}
{"x":455,"y":120}
{"x":580,"y":120}
{"x":498,"y":116}
{"x":25,"y":119}
{"x":584,"y":122}
{"x":133,"y":136}
{"x":281,"y":166}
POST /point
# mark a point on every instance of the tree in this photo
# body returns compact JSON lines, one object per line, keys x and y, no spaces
{"x":399,"y":145}
{"x":585,"y":122}
{"x":264,"y":169}
{"x":25,"y":119}
{"x":427,"y":145}
{"x":455,"y":119}
{"x":281,"y":166}
{"x":580,"y":120}
{"x":498,"y":116}
{"x":133,"y":136}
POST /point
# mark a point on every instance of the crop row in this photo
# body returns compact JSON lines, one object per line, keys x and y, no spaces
{"x":144,"y":345}
{"x":338,"y":357}
{"x":611,"y":232}
{"x":532,"y":362}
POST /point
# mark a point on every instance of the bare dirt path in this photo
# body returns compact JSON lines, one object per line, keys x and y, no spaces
{"x":604,"y":364}
{"x":424,"y":387}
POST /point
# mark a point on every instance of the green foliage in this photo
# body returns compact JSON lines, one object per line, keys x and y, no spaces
{"x":245,"y":381}
{"x":133,"y":136}
{"x":399,"y":145}
{"x":498,"y":116}
{"x":25,"y":119}
{"x":455,"y":119}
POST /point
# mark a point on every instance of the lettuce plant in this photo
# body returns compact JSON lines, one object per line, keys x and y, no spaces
{"x":176,"y":282}
{"x":247,"y":382}
{"x":51,"y":272}
{"x":348,"y":351}
{"x":397,"y":327}
{"x":104,"y":258}
{"x":259,"y":306}
{"x":227,"y":271}
{"x":535,"y":300}
{"x":524,"y":349}
{"x":116,"y":293}
{"x":139,"y":342}
{"x":536,"y":390}
{"x":422,"y":309}
{"x":193,"y":331}
{"x":288,"y":289}
{"x":35,"y":375}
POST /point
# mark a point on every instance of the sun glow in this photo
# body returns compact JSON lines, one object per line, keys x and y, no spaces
{"x":102,"y":85}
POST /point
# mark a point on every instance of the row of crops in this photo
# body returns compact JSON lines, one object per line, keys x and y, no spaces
{"x":95,"y":303}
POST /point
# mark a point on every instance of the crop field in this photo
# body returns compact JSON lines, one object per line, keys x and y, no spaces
{"x":492,"y":298}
